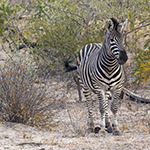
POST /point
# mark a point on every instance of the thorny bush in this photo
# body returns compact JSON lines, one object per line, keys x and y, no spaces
{"x":22,"y":99}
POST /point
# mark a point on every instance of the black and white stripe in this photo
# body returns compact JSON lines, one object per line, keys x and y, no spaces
{"x":100,"y":71}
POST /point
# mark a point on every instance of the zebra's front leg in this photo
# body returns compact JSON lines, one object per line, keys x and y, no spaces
{"x":103,"y":104}
{"x":114,"y":109}
{"x":107,"y":123}
{"x":89,"y":103}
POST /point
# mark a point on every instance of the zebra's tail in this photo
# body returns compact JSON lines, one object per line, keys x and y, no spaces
{"x":135,"y":97}
{"x":69,"y":67}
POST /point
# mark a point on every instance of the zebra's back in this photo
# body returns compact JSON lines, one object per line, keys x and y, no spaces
{"x":86,"y":55}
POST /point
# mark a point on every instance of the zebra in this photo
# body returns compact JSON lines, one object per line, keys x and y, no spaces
{"x":100,"y":70}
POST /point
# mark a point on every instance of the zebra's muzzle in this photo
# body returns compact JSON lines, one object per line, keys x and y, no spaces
{"x":122,"y":57}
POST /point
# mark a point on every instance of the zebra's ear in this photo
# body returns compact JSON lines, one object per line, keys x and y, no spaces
{"x":109,"y":25}
{"x":122,"y":27}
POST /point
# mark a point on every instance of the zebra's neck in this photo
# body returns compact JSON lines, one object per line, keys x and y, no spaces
{"x":107,"y":57}
{"x":106,"y":50}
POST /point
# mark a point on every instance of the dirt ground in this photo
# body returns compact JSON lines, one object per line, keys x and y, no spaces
{"x":68,"y":128}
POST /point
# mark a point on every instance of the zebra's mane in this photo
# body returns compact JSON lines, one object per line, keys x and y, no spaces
{"x":115,"y":22}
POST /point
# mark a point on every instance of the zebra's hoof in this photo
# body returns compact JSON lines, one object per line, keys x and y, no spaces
{"x":96,"y":130}
{"x":116,"y":132}
{"x":103,"y":131}
{"x":109,"y":129}
{"x":90,"y":130}
{"x":113,"y":125}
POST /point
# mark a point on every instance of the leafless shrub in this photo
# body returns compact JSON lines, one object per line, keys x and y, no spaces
{"x":77,"y":118}
{"x":22,"y":99}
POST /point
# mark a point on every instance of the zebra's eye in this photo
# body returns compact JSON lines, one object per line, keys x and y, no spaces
{"x":112,"y":40}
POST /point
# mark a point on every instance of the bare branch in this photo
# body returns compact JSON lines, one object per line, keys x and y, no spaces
{"x":137,"y":28}
{"x":75,"y":20}
{"x":9,"y":35}
{"x":6,"y":52}
{"x":75,"y":15}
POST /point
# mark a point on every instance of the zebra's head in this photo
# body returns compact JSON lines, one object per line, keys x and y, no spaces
{"x":114,"y":40}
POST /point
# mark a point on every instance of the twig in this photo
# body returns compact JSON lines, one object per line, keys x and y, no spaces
{"x":9,"y":35}
{"x":74,"y":127}
{"x":74,"y":15}
{"x":75,"y":21}
{"x":137,"y":28}
{"x":7,"y":53}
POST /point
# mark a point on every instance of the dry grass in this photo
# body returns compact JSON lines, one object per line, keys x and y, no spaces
{"x":21,"y":100}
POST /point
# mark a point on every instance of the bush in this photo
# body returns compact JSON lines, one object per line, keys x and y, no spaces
{"x":22,"y":99}
{"x":5,"y":11}
{"x":143,"y":61}
{"x":143,"y":66}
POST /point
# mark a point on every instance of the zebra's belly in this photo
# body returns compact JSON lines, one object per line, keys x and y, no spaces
{"x":108,"y":86}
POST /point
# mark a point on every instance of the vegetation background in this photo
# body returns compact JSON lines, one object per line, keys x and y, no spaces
{"x":38,"y":36}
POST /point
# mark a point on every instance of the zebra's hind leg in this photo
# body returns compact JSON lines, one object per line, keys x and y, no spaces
{"x":89,"y":103}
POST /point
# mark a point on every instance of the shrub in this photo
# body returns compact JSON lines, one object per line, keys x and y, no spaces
{"x":143,"y":66}
{"x":5,"y":11}
{"x":22,"y":99}
{"x":143,"y":62}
